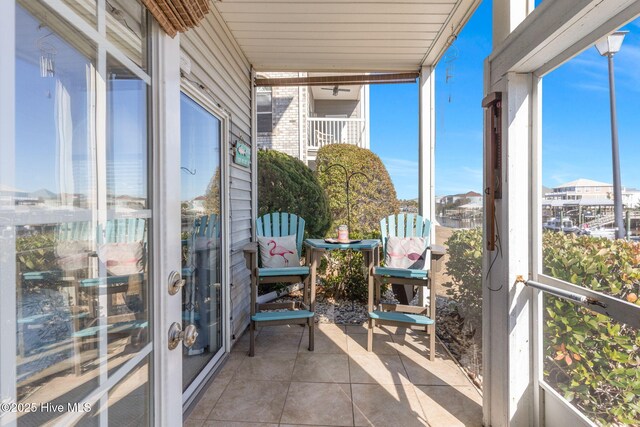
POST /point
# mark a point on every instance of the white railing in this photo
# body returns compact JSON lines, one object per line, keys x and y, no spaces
{"x":325,"y":131}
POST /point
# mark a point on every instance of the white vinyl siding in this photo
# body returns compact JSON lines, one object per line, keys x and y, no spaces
{"x":218,"y":64}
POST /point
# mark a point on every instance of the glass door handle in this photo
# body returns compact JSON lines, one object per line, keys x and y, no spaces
{"x":176,"y":334}
{"x":176,"y":282}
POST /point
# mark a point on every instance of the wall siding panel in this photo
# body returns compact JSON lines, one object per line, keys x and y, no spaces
{"x":223,"y":74}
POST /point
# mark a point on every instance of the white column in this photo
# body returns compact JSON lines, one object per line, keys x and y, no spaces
{"x":507,"y":312}
{"x":426,"y":154}
{"x":427,"y":143}
{"x":365,"y":115}
{"x":7,"y":229}
{"x":166,"y":214}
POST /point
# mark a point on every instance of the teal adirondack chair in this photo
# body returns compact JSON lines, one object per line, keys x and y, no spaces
{"x":402,"y":225}
{"x":277,"y":225}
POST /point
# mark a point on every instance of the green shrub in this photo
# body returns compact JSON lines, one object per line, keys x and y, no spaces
{"x":593,"y":360}
{"x":343,"y":276}
{"x":371,"y":198}
{"x":285,"y":184}
{"x":464,"y":268}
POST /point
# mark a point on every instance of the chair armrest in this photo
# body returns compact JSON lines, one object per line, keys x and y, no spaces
{"x":437,"y":252}
{"x":250,"y":251}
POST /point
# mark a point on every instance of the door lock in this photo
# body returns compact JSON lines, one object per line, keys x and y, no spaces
{"x":176,"y":334}
{"x":176,"y":282}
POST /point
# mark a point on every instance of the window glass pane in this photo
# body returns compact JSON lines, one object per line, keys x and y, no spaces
{"x":264,"y":102}
{"x":264,"y":122}
{"x":127,"y":185}
{"x":126,"y":29}
{"x":201,"y":234}
{"x":53,"y":86}
{"x":592,"y":361}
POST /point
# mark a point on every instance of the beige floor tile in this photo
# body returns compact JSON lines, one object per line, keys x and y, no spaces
{"x":446,"y":406}
{"x":325,"y":342}
{"x":251,"y":401}
{"x":382,"y":344}
{"x":208,"y":400}
{"x":193,"y":423}
{"x":417,"y":346}
{"x":362,"y":329}
{"x":422,"y":371}
{"x":237,"y":424}
{"x":321,"y":368}
{"x":377,"y":369}
{"x":234,"y":360}
{"x":283,"y":329}
{"x":278,"y":342}
{"x":242,"y":344}
{"x":316,"y":403}
{"x":386,"y":405}
{"x":330,"y":327}
{"x":267,"y":367}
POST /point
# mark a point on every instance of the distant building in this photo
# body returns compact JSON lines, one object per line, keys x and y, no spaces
{"x":470,"y":197}
{"x":300,"y":120}
{"x":589,"y":192}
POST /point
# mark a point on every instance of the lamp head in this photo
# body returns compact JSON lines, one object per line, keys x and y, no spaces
{"x":611,"y":43}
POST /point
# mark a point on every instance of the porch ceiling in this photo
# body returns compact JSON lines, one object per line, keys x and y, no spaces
{"x":344,"y":35}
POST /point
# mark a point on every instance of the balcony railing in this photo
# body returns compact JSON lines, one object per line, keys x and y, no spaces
{"x":325,"y":131}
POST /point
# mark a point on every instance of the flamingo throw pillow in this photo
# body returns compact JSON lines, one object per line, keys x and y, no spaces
{"x":277,"y":252}
{"x":406,"y":252}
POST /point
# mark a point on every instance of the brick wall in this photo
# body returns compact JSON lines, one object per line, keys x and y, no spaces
{"x":285,"y":136}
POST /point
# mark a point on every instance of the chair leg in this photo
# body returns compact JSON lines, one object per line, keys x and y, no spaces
{"x":370,"y":335}
{"x":311,"y":333}
{"x":252,"y":337}
{"x":432,"y":342}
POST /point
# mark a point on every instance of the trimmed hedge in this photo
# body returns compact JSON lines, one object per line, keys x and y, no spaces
{"x":285,"y":184}
{"x":371,"y":199}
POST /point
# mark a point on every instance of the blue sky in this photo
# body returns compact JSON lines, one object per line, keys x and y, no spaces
{"x":576,"y":124}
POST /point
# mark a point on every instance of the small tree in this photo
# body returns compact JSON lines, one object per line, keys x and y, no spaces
{"x":285,"y":184}
{"x":371,"y":198}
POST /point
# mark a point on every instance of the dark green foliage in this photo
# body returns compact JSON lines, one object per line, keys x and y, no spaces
{"x":35,"y":252}
{"x":591,"y":359}
{"x":371,"y":198}
{"x":285,"y":184}
{"x":464,"y":268}
{"x":344,"y":276}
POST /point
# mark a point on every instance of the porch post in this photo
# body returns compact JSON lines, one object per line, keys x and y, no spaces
{"x":426,"y":153}
{"x":508,"y":355}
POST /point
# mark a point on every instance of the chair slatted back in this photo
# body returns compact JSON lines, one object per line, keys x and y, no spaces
{"x":401,"y":225}
{"x":127,"y":230}
{"x":207,"y":226}
{"x":279,"y":224}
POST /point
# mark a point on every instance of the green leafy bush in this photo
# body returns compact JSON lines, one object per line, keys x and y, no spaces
{"x":285,"y":184}
{"x":371,"y":198}
{"x":464,"y":268}
{"x":591,"y":359}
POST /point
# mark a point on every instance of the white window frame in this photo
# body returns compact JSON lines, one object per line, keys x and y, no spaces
{"x":261,"y":91}
{"x":200,"y":98}
{"x":9,"y":220}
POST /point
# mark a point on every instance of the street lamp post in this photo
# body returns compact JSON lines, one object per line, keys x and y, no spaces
{"x":609,"y":46}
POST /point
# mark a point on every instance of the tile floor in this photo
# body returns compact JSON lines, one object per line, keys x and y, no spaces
{"x":338,"y":384}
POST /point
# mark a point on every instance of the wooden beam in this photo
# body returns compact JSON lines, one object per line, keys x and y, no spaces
{"x":338,"y":80}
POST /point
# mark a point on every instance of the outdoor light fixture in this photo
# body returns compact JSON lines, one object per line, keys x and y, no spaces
{"x":609,"y":46}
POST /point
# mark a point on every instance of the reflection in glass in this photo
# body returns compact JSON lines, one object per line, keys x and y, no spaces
{"x":126,"y":139}
{"x":53,"y":118}
{"x":592,"y":361}
{"x":76,"y":297}
{"x":201,"y":234}
{"x":126,"y":29}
